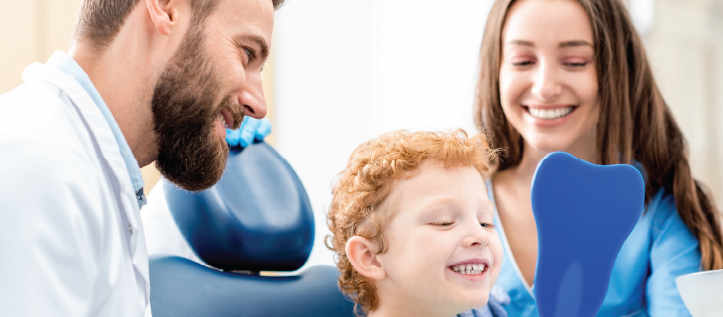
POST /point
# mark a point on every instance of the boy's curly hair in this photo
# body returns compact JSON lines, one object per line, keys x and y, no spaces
{"x":367,"y":181}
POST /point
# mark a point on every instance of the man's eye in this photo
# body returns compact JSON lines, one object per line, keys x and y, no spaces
{"x":249,"y":52}
{"x":486,"y":225}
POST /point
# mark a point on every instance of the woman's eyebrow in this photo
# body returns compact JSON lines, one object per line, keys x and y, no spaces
{"x":575,"y":43}
{"x":521,"y":43}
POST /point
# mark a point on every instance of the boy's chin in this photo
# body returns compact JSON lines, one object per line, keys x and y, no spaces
{"x":460,"y":303}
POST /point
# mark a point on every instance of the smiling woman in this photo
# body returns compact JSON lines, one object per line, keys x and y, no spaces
{"x":573,"y":76}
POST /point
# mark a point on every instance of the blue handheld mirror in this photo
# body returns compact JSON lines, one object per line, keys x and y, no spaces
{"x":584,"y":213}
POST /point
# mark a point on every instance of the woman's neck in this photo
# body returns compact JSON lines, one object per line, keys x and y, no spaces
{"x":521,"y":174}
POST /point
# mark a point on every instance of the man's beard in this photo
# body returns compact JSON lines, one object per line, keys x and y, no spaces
{"x":190,"y":153}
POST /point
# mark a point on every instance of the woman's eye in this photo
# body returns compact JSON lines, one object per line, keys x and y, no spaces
{"x":576,"y":64}
{"x":486,"y":225}
{"x":522,"y":63}
{"x":443,"y":224}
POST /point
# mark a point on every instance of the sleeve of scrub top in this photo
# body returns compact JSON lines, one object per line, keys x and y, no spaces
{"x":50,"y":236}
{"x":674,"y":252}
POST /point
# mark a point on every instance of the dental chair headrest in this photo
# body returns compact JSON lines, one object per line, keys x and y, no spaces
{"x":256,"y":218}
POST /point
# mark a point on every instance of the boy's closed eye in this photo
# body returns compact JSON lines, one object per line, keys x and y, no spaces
{"x":449,"y":223}
{"x":442,"y":223}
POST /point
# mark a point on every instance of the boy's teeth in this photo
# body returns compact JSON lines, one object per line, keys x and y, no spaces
{"x":550,"y":114}
{"x":469,"y":269}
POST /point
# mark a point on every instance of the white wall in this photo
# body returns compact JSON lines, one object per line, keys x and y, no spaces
{"x":346,"y":71}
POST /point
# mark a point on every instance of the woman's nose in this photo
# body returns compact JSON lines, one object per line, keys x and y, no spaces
{"x":546,"y":85}
{"x":252,"y":97}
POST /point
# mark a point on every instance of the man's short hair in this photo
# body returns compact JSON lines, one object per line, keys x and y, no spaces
{"x":100,"y":20}
{"x":368,"y":180}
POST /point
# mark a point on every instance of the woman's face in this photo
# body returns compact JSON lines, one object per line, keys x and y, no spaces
{"x":548,"y":81}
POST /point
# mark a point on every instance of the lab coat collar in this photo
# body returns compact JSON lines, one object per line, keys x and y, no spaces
{"x":66,"y":64}
{"x":105,"y":140}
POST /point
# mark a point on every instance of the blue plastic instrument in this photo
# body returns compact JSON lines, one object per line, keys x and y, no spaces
{"x":584,"y":213}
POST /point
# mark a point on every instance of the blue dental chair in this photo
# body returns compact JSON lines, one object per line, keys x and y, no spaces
{"x":256,"y":218}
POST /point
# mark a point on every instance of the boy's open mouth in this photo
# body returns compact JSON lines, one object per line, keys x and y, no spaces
{"x":470,"y":269}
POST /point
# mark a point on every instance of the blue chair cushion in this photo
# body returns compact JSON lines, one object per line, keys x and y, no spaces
{"x":180,"y":288}
{"x":256,"y":218}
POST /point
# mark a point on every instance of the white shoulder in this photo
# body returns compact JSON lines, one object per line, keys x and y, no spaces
{"x":52,"y":228}
{"x":45,"y":172}
{"x":38,"y":118}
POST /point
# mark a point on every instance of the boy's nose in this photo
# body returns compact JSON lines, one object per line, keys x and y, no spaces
{"x":477,"y":236}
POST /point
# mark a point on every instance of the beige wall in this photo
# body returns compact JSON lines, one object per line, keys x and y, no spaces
{"x":31,"y":30}
{"x":685,"y":47}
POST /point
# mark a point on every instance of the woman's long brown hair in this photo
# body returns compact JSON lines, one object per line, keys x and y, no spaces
{"x":635,"y":122}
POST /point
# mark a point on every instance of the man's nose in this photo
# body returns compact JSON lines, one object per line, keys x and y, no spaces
{"x":546,"y":84}
{"x":252,"y":97}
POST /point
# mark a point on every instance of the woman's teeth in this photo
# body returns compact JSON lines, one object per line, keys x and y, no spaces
{"x":469,"y":269}
{"x":550,"y":114}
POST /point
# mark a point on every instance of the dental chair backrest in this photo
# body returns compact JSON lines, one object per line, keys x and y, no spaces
{"x":256,"y":218}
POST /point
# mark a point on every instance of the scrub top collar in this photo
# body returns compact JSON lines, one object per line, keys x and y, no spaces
{"x":66,"y":64}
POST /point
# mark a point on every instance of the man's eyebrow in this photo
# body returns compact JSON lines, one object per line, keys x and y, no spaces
{"x":575,"y":43}
{"x":260,"y":41}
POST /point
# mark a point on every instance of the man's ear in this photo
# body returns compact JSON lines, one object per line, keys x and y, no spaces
{"x":163,"y":14}
{"x":359,"y":250}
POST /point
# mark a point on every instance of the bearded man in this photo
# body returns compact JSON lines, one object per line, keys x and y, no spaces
{"x":144,"y":81}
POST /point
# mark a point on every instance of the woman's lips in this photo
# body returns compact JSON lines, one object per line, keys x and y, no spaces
{"x":549,"y":115}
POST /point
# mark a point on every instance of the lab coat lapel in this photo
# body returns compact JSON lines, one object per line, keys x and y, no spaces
{"x":103,"y":134}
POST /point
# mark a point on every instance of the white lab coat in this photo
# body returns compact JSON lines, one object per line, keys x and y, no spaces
{"x":71,"y":239}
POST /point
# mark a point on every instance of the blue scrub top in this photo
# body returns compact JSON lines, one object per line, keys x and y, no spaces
{"x":660,"y":248}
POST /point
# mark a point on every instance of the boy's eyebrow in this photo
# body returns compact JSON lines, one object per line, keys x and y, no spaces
{"x":488,"y":207}
{"x":432,"y":206}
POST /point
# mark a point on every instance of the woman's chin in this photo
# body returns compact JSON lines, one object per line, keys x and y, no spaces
{"x":549,"y":142}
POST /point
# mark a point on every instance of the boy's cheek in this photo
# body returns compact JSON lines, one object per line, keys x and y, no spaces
{"x":496,"y":248}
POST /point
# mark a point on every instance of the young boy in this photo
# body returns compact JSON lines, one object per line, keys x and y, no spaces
{"x":412,"y":225}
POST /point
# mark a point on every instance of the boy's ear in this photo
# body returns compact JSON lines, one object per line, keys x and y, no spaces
{"x":359,"y":250}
